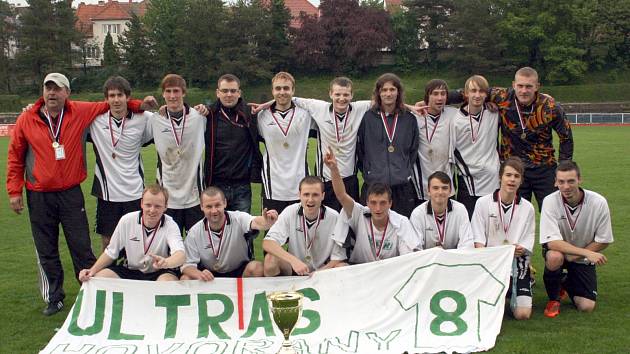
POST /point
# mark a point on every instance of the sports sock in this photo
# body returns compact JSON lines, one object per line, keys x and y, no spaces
{"x":553,"y":279}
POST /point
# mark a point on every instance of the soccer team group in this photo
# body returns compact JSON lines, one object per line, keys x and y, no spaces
{"x":433,"y":176}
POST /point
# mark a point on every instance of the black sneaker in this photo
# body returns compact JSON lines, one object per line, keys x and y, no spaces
{"x":53,"y":308}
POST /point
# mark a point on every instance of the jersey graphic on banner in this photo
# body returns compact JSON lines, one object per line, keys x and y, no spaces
{"x":451,"y":312}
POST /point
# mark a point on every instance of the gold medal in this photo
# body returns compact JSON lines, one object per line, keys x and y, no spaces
{"x":285,"y":145}
{"x":523,"y":135}
{"x":391,"y":148}
{"x":430,"y":151}
{"x":308,"y":259}
{"x":215,"y":267}
{"x":113,"y":155}
{"x":506,"y":242}
{"x":55,"y":144}
{"x":179,"y":152}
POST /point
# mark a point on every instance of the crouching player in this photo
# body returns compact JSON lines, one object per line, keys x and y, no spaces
{"x":575,"y":228}
{"x":504,"y":218}
{"x":381,"y":233}
{"x":216,"y":246}
{"x":151,"y":241}
{"x":308,"y":228}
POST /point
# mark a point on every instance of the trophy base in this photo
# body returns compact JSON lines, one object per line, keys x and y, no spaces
{"x":287,"y":348}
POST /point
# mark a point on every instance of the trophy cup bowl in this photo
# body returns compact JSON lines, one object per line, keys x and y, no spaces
{"x":286,"y":309}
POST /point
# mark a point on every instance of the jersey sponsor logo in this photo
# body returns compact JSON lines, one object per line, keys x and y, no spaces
{"x":165,"y":130}
{"x":388,"y":245}
{"x":134,"y":238}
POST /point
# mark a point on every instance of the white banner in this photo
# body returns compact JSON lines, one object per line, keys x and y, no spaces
{"x":429,"y":301}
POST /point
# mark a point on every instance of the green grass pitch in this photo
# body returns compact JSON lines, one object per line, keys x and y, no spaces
{"x":601,"y":151}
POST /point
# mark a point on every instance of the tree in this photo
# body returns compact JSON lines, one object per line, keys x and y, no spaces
{"x":163,"y":20}
{"x":7,"y":36}
{"x":431,"y":17}
{"x":346,"y":38}
{"x":274,"y":44}
{"x":138,"y":54}
{"x":66,"y":31}
{"x":242,"y":43}
{"x":474,"y":48}
{"x":406,"y":44}
{"x":206,"y":27}
{"x":37,"y":50}
{"x":111,"y":57}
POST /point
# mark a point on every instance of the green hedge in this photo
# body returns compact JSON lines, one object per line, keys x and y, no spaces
{"x":10,"y":103}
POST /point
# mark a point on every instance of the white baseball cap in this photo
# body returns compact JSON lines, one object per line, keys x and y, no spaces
{"x":59,"y":80}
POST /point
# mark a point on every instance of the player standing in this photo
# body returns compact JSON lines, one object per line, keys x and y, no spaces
{"x":179,"y":142}
{"x":474,"y":139}
{"x":285,"y":129}
{"x":387,"y":145}
{"x":117,"y":137}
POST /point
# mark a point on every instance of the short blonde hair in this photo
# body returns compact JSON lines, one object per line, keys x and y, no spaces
{"x":156,"y":189}
{"x":479,"y":81}
{"x":284,"y":75}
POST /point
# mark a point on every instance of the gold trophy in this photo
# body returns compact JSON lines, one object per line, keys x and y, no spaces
{"x":286,"y":308}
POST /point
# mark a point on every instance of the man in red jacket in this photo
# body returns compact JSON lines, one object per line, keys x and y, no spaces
{"x":46,"y":155}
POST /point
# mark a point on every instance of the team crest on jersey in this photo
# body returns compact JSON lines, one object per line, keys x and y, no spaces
{"x":388,"y":245}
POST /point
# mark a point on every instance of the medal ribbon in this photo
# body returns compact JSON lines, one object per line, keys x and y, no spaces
{"x":472,"y":130}
{"x":441,"y":230}
{"x":233,"y":122}
{"x":391,"y":131}
{"x":308,"y":244}
{"x":426,"y":128}
{"x":505,"y":229}
{"x":378,"y":251}
{"x":146,"y":236}
{"x":284,"y":132}
{"x":209,"y":231}
{"x":520,"y":114}
{"x":111,"y":131}
{"x":572,"y":222}
{"x":343,"y":129}
{"x":178,"y":140}
{"x":54,"y":132}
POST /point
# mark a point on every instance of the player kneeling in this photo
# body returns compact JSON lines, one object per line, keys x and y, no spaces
{"x":504,"y":218}
{"x":216,"y":246}
{"x":151,"y":240}
{"x":308,"y":227}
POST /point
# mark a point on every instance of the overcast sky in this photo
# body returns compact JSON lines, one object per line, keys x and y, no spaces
{"x":76,"y":3}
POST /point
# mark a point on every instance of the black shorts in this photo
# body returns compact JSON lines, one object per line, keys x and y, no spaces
{"x":109,"y":213}
{"x":520,"y":279}
{"x":581,"y":279}
{"x":277,"y":205}
{"x":236,"y":273}
{"x":352,"y":188}
{"x":185,"y":218}
{"x":133,"y":274}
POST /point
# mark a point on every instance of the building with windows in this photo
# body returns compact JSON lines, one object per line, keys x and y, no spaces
{"x":95,"y":21}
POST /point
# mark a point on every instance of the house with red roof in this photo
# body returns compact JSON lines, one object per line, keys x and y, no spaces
{"x":296,"y":7}
{"x":112,"y":16}
{"x":96,"y":20}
